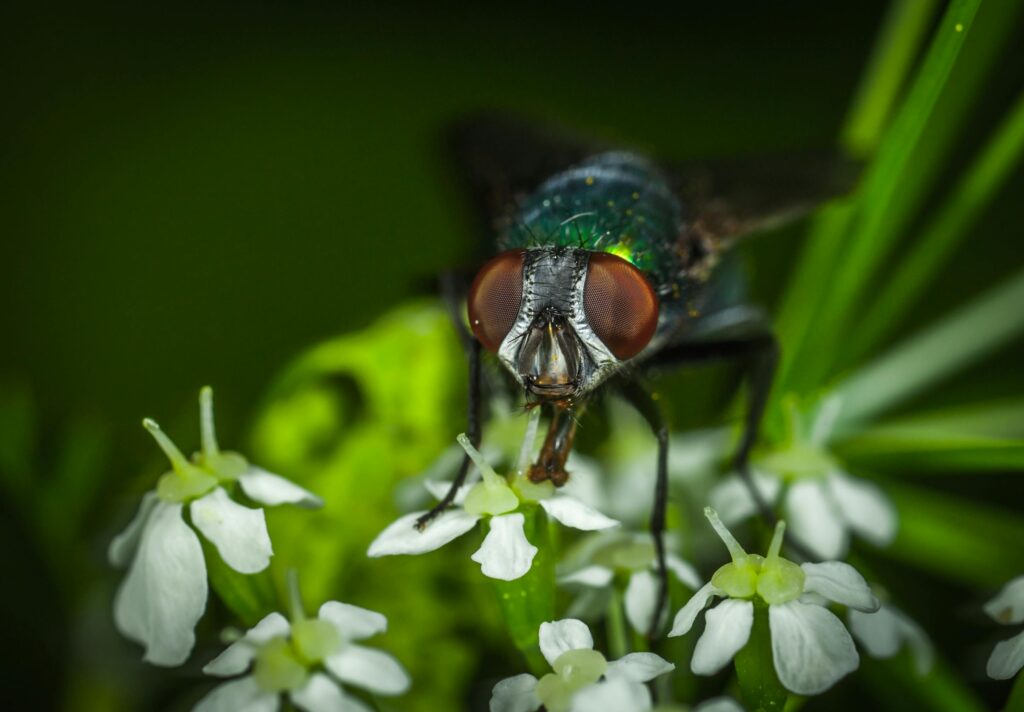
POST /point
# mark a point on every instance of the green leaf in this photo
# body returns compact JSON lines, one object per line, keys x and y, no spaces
{"x":755,"y":668}
{"x":530,"y":600}
{"x":928,"y":357}
{"x":983,"y":549}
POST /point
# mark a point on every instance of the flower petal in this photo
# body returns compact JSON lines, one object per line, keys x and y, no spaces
{"x":728,"y":630}
{"x":515,"y":694}
{"x":883,"y":632}
{"x":719,"y":704}
{"x":1007,"y":658}
{"x":557,"y":637}
{"x":683,"y":571}
{"x":241,"y":694}
{"x":617,"y":694}
{"x":239,"y":533}
{"x":506,"y":553}
{"x":322,"y":694}
{"x":813,"y":520}
{"x":688,"y":614}
{"x":864,"y":507}
{"x":639,"y":667}
{"x":732,"y":500}
{"x":371,"y":669}
{"x":841,"y":583}
{"x":353,"y":622}
{"x":592,"y":576}
{"x":811,"y":648}
{"x":122,"y":548}
{"x":573,"y":513}
{"x":402,"y":536}
{"x":164,"y":594}
{"x":878,"y":632}
{"x":237,"y":656}
{"x":272,"y":490}
{"x":641,"y":598}
{"x":1008,"y":605}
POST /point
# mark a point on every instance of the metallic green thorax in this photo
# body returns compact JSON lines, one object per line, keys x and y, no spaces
{"x":612,"y":202}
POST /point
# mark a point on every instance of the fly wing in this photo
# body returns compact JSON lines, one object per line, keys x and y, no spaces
{"x":729,"y":199}
{"x":499,"y":160}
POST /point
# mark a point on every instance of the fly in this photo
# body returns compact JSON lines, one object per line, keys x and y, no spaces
{"x":608,"y":263}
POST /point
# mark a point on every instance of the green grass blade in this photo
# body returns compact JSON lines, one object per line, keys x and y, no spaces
{"x":945,"y":231}
{"x":891,"y":60}
{"x":899,"y":41}
{"x":928,"y":357}
{"x":919,"y":451}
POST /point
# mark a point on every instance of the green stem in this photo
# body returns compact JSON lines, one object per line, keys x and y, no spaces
{"x":618,"y":644}
{"x":530,"y":600}
{"x":755,"y":669}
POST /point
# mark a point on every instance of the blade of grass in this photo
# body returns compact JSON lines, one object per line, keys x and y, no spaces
{"x":945,"y":231}
{"x":898,"y":43}
{"x":920,"y":451}
{"x":926,"y":358}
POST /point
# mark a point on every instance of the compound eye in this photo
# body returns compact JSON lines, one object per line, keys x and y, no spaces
{"x":495,"y":297}
{"x":620,"y":304}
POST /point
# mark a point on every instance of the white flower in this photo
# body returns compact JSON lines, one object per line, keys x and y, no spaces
{"x":583,"y":680}
{"x":823,"y":507}
{"x":307,"y":660}
{"x":810,"y":647}
{"x":164,"y":593}
{"x":506,"y":553}
{"x":883,"y":633}
{"x":633,"y":555}
{"x":1008,"y":608}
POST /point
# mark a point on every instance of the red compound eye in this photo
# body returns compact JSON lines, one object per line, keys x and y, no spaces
{"x":620,"y":304}
{"x":495,"y":297}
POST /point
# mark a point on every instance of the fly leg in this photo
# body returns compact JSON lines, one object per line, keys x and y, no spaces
{"x":472,"y":430}
{"x":645,"y":404}
{"x":760,"y":356}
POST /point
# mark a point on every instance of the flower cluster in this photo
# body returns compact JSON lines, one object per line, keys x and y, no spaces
{"x":582,"y":679}
{"x":307,"y":660}
{"x":811,"y":649}
{"x":505,"y":553}
{"x":164,"y":594}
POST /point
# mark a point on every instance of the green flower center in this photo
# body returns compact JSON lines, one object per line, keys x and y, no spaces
{"x":188,"y":480}
{"x":279,"y":667}
{"x":775,"y":579}
{"x":574,"y":669}
{"x":491,"y":495}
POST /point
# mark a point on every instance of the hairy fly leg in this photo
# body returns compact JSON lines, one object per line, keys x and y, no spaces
{"x":645,"y":404}
{"x":759,"y":353}
{"x":472,"y":430}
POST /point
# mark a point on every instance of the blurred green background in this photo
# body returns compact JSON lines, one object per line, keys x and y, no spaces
{"x":196,"y":193}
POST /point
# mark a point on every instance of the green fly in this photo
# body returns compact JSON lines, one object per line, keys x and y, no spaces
{"x":609,"y":263}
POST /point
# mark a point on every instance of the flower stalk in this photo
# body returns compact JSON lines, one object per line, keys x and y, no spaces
{"x":528,"y":601}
